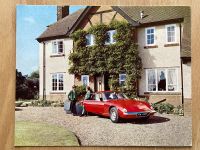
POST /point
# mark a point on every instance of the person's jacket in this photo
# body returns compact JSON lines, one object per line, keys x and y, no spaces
{"x":88,"y":95}
{"x":72,"y":95}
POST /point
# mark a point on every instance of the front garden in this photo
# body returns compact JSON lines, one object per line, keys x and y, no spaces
{"x":41,"y":134}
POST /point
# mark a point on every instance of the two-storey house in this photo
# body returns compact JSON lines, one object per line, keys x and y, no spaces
{"x":163,"y":38}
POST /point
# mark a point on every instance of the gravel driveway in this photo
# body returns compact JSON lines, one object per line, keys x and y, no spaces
{"x":160,"y":130}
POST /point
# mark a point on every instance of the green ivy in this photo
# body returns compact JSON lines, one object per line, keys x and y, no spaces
{"x":113,"y":59}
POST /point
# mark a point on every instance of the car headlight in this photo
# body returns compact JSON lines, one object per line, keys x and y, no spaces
{"x":124,"y":110}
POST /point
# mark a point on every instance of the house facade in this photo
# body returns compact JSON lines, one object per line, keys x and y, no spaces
{"x":163,"y":38}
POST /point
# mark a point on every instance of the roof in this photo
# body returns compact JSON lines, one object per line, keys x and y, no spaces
{"x":61,"y":27}
{"x":160,"y":14}
{"x":153,"y":14}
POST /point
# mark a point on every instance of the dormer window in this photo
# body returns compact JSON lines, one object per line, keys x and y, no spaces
{"x":57,"y":47}
{"x":89,"y":39}
{"x":111,"y":39}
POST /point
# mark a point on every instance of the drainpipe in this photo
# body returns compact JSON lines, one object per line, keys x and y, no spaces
{"x":44,"y":71}
{"x":182,"y":90}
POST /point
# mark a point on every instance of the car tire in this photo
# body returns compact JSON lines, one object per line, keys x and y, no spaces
{"x":114,"y":116}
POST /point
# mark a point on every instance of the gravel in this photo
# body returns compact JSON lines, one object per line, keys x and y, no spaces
{"x":160,"y":130}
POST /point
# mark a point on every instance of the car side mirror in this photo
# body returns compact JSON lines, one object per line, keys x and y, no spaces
{"x":101,"y":99}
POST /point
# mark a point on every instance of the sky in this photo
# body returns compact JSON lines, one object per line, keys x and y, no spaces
{"x":31,"y":22}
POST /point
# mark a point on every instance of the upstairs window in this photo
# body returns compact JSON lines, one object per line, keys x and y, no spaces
{"x":57,"y":82}
{"x":111,"y":39}
{"x":89,"y":39}
{"x":122,"y":79}
{"x":57,"y":47}
{"x":171,"y":33}
{"x":150,"y":36}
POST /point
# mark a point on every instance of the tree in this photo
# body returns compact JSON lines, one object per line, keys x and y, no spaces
{"x":27,"y":87}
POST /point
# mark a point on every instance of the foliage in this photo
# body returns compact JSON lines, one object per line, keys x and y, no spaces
{"x":27,"y":87}
{"x":80,"y":90}
{"x":163,"y":108}
{"x":47,"y":103}
{"x":112,"y":59}
{"x":34,"y":75}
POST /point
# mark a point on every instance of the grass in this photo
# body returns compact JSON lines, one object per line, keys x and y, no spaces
{"x":40,"y":134}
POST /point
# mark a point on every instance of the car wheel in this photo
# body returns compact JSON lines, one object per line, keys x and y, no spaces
{"x":114,"y":117}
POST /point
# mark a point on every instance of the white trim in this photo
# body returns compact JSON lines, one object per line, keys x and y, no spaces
{"x":88,"y":79}
{"x":175,"y":33}
{"x":146,"y":44}
{"x":57,"y":53}
{"x":166,"y":76}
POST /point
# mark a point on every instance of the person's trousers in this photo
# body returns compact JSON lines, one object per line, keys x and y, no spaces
{"x":73,"y":107}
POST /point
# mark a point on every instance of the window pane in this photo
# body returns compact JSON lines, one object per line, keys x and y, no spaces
{"x":172,"y":80}
{"x":113,"y":33}
{"x":108,"y":40}
{"x":60,"y":47}
{"x":60,"y":82}
{"x":161,"y":80}
{"x":54,"y":82}
{"x":88,"y":39}
{"x":171,"y":34}
{"x":151,"y":80}
{"x":54,"y":47}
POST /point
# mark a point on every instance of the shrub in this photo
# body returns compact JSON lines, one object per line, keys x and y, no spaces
{"x":80,"y":90}
{"x":18,"y":103}
{"x":163,"y":108}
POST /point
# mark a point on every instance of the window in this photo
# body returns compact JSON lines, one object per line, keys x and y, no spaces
{"x":162,"y":79}
{"x":89,"y":39}
{"x":122,"y":79}
{"x":171,"y":33}
{"x":85,"y":80}
{"x":57,"y":82}
{"x":150,"y":36}
{"x":110,"y":39}
{"x":57,"y":47}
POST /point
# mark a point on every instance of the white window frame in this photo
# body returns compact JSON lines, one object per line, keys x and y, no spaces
{"x":57,"y":77}
{"x":120,"y":77}
{"x":57,"y":47}
{"x":175,"y":33}
{"x":92,"y":38}
{"x":146,"y":29}
{"x":111,"y":34}
{"x":88,"y":79}
{"x":166,"y":76}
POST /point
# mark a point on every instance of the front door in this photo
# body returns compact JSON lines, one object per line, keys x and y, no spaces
{"x":99,"y":83}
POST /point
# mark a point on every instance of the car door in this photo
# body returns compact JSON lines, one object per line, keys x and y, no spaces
{"x":95,"y":105}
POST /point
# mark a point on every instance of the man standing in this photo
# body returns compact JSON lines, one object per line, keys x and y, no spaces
{"x":73,"y":98}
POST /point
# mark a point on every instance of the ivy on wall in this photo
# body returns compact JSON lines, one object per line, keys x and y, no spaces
{"x":112,"y":59}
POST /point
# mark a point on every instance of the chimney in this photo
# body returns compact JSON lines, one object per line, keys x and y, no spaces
{"x":62,"y":11}
{"x":141,"y":14}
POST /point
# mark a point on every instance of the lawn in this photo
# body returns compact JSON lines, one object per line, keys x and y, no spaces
{"x":40,"y":134}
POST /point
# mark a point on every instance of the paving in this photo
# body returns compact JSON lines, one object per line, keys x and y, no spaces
{"x":160,"y":130}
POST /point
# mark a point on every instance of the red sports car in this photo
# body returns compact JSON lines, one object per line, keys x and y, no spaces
{"x":117,"y":105}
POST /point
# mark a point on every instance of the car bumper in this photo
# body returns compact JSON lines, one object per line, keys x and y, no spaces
{"x":137,"y":114}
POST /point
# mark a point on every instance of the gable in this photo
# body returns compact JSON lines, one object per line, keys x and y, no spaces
{"x":102,"y":14}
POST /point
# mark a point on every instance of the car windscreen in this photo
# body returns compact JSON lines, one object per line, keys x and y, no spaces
{"x":114,"y":95}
